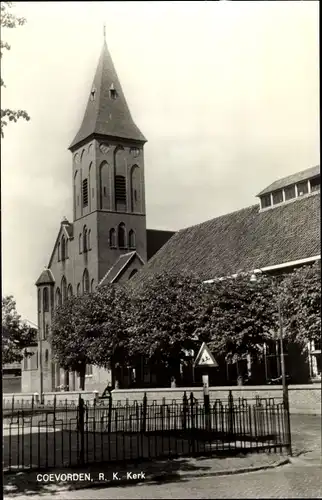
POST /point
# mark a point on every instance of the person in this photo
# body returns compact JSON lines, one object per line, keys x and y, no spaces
{"x":173,"y":383}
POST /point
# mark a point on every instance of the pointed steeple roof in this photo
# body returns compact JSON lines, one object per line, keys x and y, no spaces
{"x":107,"y":112}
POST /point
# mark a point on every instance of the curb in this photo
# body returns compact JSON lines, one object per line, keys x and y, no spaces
{"x":167,"y":477}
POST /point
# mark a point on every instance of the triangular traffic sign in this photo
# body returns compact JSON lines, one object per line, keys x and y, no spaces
{"x":204,"y":357}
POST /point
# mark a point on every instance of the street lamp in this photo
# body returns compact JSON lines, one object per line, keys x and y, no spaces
{"x":253,"y":279}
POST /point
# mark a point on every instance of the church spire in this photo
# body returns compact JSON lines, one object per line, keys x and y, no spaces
{"x":107,"y":112}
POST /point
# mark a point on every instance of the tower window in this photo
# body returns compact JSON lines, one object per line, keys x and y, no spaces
{"x":85,"y":193}
{"x":93,"y":94}
{"x":89,"y":240}
{"x":92,"y":285}
{"x":120,"y":188}
{"x":113,"y":92}
{"x":69,"y":291}
{"x":78,"y":290}
{"x":104,"y":190}
{"x":46,"y":356}
{"x":121,"y":236}
{"x":85,"y":239}
{"x":46,"y":332}
{"x":80,"y":243}
{"x":46,"y":299}
{"x":112,"y":238}
{"x":58,"y":252}
{"x":92,"y":192}
{"x":78,"y":200}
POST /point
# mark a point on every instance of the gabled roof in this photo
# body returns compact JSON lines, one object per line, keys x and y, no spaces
{"x":67,"y":228}
{"x":304,"y":175}
{"x":242,"y":241}
{"x":46,"y":278}
{"x":120,"y":265}
{"x":105,"y":116}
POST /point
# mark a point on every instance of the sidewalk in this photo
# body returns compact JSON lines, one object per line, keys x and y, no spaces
{"x":159,"y":471}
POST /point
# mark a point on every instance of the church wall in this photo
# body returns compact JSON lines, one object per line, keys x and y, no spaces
{"x":107,"y":256}
{"x":85,"y":260}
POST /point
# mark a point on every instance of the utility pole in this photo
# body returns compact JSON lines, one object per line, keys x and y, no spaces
{"x":285,"y":387}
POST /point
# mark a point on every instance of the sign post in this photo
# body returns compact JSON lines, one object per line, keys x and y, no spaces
{"x":206,"y":360}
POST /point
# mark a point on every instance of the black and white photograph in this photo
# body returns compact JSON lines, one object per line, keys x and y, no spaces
{"x":161,"y":249}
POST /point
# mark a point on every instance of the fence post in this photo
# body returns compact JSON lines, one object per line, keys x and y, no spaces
{"x":110,"y":402}
{"x":230,"y":413}
{"x":144,"y":412}
{"x":192,"y":422}
{"x":185,"y":409}
{"x":81,"y":429}
{"x":206,"y":400}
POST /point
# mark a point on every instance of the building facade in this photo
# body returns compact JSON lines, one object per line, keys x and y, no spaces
{"x":107,"y":240}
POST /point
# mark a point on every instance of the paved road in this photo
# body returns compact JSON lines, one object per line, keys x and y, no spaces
{"x":300,"y":480}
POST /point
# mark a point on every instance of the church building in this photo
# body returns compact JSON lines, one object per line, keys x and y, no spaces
{"x":107,"y":240}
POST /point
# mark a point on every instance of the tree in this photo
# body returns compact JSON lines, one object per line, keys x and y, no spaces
{"x":9,"y":20}
{"x":17,"y":336}
{"x":244,"y":315}
{"x":169,"y":316}
{"x":301,"y":305}
{"x":90,"y":330}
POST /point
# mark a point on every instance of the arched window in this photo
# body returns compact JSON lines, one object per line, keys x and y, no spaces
{"x":92,"y":285}
{"x":84,"y":239}
{"x":78,"y":290}
{"x":80,"y":243}
{"x":135,"y":189}
{"x":39,"y":300}
{"x":132,"y":239}
{"x":66,"y":249}
{"x":89,"y":240}
{"x":58,"y":251}
{"x":121,"y":235}
{"x":69,"y":291}
{"x":58,"y":297}
{"x":133,"y":273}
{"x":63,"y":248}
{"x":46,"y":299}
{"x":63,"y":289}
{"x":112,"y":238}
{"x":85,"y":281}
{"x":104,"y":185}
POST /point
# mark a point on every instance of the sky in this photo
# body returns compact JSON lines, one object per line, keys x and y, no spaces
{"x":227,"y":94}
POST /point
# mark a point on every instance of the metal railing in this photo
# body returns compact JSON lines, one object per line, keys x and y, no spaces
{"x":67,"y":435}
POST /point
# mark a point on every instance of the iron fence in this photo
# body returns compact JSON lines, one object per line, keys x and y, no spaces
{"x":66,"y":435}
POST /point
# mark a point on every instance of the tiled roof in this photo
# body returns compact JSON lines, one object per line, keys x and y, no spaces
{"x":155,"y":239}
{"x":117,"y":268}
{"x":103,"y":115}
{"x":45,"y":278}
{"x":292,"y":179}
{"x":242,"y":241}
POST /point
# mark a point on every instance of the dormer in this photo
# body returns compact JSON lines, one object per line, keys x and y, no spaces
{"x":291,"y":188}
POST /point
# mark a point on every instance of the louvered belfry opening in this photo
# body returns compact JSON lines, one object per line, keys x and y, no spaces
{"x":120,"y":192}
{"x":85,"y":193}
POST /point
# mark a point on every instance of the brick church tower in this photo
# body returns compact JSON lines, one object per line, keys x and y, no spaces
{"x":107,"y":241}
